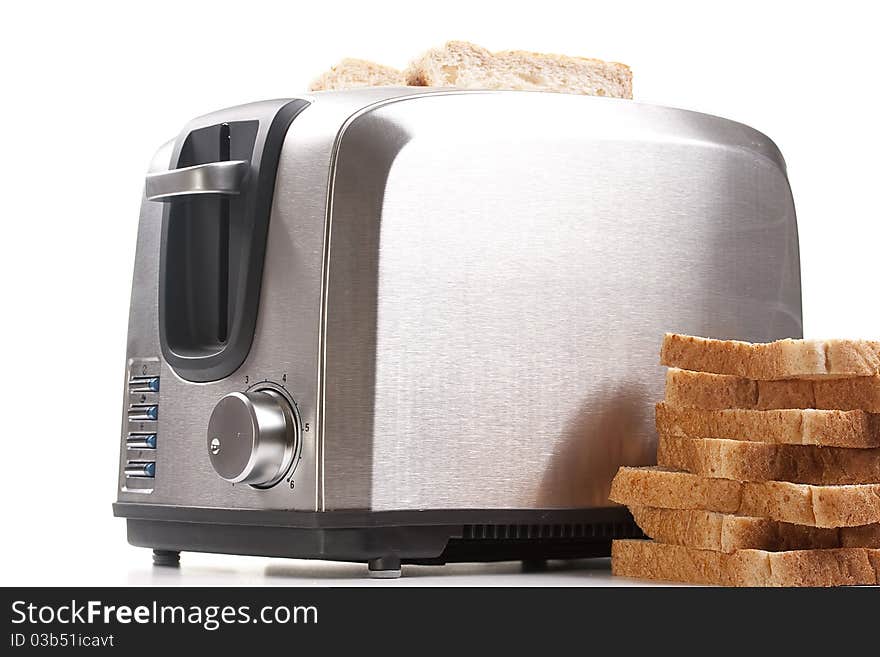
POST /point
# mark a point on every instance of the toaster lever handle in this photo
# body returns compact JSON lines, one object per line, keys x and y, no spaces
{"x":212,"y":178}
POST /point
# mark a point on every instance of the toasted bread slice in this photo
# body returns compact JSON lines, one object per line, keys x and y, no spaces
{"x":707,"y":530}
{"x":800,"y":504}
{"x":671,"y":489}
{"x":661,"y":561}
{"x":467,"y":66}
{"x":859,"y":393}
{"x":750,"y":461}
{"x":350,"y":73}
{"x":711,"y":392}
{"x":789,"y":426}
{"x":722,"y":391}
{"x":784,"y":359}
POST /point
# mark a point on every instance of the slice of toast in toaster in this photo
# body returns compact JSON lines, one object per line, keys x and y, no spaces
{"x":661,"y":561}
{"x":800,"y":504}
{"x":784,"y":359}
{"x":752,"y":461}
{"x":791,"y":426}
{"x":468,"y":66}
{"x":719,"y":391}
{"x":707,"y":530}
{"x":351,"y":73}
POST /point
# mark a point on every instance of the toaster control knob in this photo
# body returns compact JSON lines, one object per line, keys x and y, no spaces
{"x":252,"y":437}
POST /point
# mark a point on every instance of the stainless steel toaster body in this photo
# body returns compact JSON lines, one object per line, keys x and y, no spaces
{"x":461,"y":295}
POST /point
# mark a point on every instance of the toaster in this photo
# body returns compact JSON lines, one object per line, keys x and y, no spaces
{"x":401,"y":325}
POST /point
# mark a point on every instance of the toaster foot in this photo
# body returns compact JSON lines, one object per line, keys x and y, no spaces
{"x":384,"y":567}
{"x":168,"y":558}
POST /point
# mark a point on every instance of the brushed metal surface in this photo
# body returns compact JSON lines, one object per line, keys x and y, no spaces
{"x":252,"y":437}
{"x":211,"y":178}
{"x":287,"y":337}
{"x":502,"y":268}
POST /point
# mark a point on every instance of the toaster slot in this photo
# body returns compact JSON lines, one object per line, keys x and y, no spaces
{"x":218,"y":198}
{"x":223,"y":243}
{"x":206,"y":243}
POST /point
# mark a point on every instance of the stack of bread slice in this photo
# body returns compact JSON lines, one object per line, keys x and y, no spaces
{"x":465,"y":65}
{"x":768,"y":467}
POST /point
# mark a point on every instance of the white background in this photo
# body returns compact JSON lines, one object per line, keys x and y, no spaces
{"x":90,"y":90}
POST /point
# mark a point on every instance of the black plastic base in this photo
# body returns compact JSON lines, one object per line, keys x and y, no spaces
{"x":534,"y":565}
{"x":384,"y":540}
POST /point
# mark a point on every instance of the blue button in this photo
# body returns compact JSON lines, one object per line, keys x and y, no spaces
{"x":138,"y":413}
{"x":144,"y":384}
{"x":141,"y":441}
{"x":150,"y":469}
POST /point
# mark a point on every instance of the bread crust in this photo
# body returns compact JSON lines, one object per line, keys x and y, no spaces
{"x":661,"y":561}
{"x":790,"y":426}
{"x":783,"y":359}
{"x":462,"y":64}
{"x":351,"y":73}
{"x":800,"y":504}
{"x":768,"y":467}
{"x":753,"y":461}
{"x":723,"y":391}
{"x":707,"y":530}
{"x":671,"y":489}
